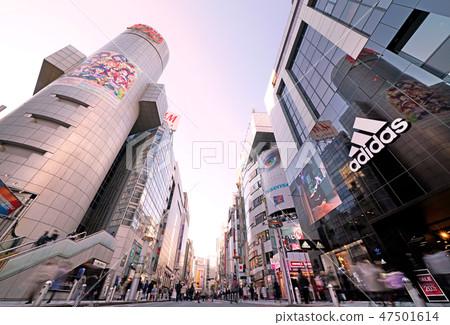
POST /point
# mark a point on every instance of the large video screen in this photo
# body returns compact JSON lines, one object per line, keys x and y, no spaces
{"x":318,"y":193}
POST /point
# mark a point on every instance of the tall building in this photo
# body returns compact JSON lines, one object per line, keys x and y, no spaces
{"x":267,"y":203}
{"x":359,"y":98}
{"x":90,"y":152}
{"x":60,"y":144}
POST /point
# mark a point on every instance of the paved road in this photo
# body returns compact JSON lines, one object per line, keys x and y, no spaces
{"x":215,"y":303}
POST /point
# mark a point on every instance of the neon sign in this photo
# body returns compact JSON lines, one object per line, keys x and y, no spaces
{"x":150,"y":32}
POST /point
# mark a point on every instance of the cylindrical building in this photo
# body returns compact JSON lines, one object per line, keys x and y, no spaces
{"x":60,"y":144}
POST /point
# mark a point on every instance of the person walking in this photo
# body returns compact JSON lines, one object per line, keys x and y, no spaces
{"x":54,"y":235}
{"x":47,"y":271}
{"x":234,"y":290}
{"x":60,"y":278}
{"x":277,"y":291}
{"x":264,"y":293}
{"x":303,"y":285}
{"x":183,"y":292}
{"x":178,"y":291}
{"x":252,"y":291}
{"x":42,"y":240}
{"x":246,"y":292}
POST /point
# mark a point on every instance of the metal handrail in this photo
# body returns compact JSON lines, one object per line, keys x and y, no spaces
{"x":36,"y":247}
{"x":16,"y":247}
{"x":12,"y":239}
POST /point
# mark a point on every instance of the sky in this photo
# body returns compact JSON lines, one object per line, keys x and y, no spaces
{"x":221,"y":57}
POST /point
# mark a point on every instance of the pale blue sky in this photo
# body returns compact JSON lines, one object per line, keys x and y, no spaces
{"x":221,"y":57}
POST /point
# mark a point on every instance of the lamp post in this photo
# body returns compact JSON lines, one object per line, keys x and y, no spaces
{"x":139,"y":267}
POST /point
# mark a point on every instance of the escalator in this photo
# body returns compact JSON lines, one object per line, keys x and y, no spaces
{"x":17,"y":266}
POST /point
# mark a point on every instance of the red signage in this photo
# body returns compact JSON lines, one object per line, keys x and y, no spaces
{"x":296,"y":264}
{"x":150,"y":32}
{"x":429,"y":286}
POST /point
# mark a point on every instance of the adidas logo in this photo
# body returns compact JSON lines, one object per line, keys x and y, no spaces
{"x":377,"y":134}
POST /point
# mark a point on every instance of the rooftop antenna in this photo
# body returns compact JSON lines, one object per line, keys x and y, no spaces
{"x":253,"y":108}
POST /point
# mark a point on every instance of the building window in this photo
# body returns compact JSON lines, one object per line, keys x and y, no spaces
{"x":260,"y":218}
{"x":413,"y":42}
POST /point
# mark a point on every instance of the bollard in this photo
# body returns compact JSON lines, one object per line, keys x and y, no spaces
{"x":333,"y":295}
{"x":138,"y":296}
{"x":72,"y":291}
{"x":42,"y":293}
{"x":127,"y":295}
{"x":110,"y":293}
{"x":297,"y":294}
{"x":413,"y":293}
{"x":79,"y":294}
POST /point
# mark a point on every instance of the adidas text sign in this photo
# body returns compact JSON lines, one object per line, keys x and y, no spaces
{"x":377,"y":135}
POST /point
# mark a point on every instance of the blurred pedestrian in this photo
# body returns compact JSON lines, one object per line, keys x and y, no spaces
{"x":183,"y":292}
{"x":47,"y":271}
{"x":438,"y":262}
{"x":264,"y":292}
{"x":54,"y":235}
{"x":252,"y":291}
{"x":277,"y":291}
{"x":370,"y":276}
{"x":61,"y":276}
{"x":42,"y":240}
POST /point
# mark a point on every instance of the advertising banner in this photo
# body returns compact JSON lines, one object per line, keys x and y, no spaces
{"x":276,"y":188}
{"x":317,"y":192}
{"x":8,"y":202}
{"x":107,"y":74}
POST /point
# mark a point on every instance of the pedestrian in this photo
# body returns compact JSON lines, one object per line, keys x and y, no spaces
{"x":60,"y":278}
{"x":234,"y":290}
{"x":263,"y":292}
{"x":47,"y":271}
{"x":178,"y":291}
{"x":277,"y":291}
{"x":183,"y":292}
{"x":54,"y":236}
{"x":303,"y":285}
{"x":91,"y":286}
{"x":246,"y":292}
{"x":212,"y":294}
{"x":191,"y":292}
{"x":252,"y":291}
{"x":42,"y":240}
{"x":144,"y":290}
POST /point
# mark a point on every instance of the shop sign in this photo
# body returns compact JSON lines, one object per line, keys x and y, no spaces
{"x":296,"y":264}
{"x":99,"y":264}
{"x":376,"y":135}
{"x":323,"y":130}
{"x":429,"y":286}
{"x":172,"y":119}
{"x":150,"y":32}
{"x":306,"y":244}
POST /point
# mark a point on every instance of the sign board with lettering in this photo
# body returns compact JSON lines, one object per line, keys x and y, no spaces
{"x":172,"y":119}
{"x":323,"y":130}
{"x":429,"y":286}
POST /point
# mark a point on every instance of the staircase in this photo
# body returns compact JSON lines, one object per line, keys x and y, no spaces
{"x":19,"y":267}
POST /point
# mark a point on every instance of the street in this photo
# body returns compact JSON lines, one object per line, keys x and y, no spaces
{"x":215,"y":303}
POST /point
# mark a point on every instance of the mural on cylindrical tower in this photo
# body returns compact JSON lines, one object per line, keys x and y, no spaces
{"x":61,"y":143}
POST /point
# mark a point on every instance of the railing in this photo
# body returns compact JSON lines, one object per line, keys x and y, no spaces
{"x":9,"y":243}
{"x":65,"y":247}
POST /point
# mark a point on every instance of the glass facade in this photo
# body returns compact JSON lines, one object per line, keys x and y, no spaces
{"x":144,"y":197}
{"x":393,"y":207}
